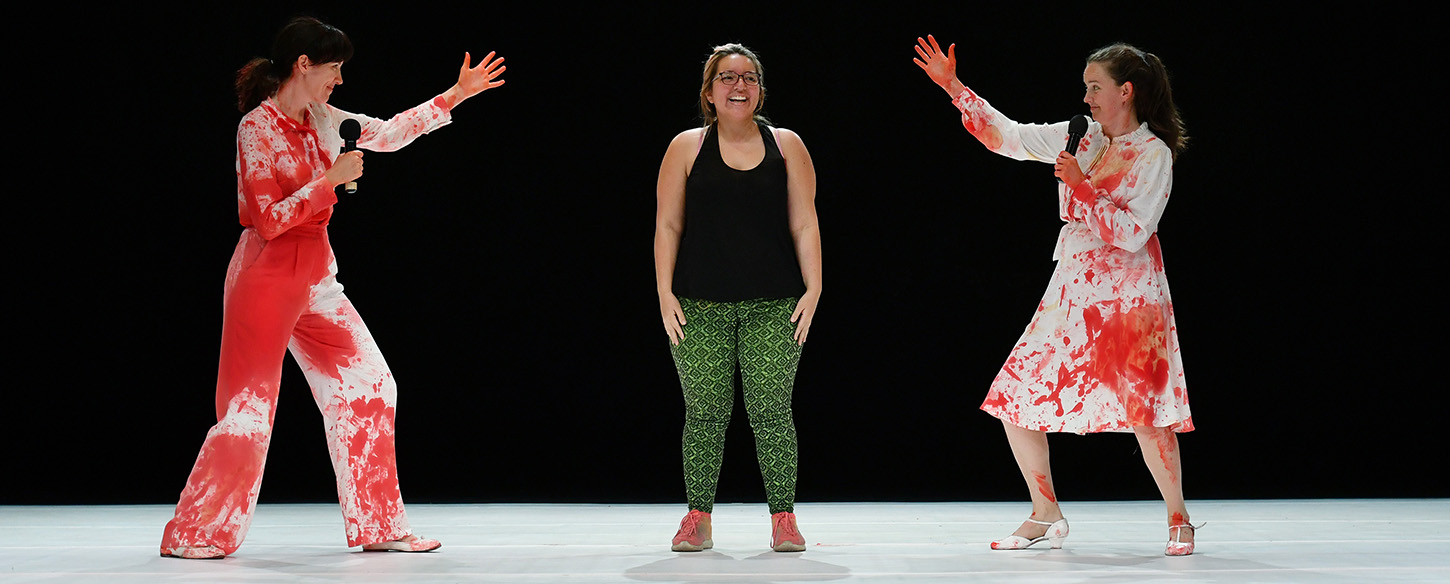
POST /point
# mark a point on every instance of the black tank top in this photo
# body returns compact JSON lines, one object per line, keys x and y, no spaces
{"x":737,"y":243}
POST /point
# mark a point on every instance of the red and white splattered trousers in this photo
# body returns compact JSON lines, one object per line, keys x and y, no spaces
{"x":283,"y":295}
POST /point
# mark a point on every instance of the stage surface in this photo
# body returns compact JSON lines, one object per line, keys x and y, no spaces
{"x":1343,"y":541}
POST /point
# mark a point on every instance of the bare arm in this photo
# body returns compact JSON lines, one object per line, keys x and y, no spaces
{"x":670,"y":225}
{"x":804,"y":229}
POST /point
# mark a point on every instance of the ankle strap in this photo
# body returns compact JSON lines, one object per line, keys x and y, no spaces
{"x":1047,"y":523}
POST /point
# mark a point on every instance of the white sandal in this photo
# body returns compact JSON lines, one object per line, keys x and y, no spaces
{"x":411,"y":543}
{"x":1056,"y":532}
{"x":1180,"y":548}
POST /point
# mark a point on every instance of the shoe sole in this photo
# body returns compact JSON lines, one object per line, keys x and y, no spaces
{"x":789,"y":546}
{"x":194,"y":553}
{"x":685,"y":546}
{"x":398,"y":546}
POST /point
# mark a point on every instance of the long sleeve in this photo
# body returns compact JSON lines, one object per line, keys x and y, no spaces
{"x":392,"y":134}
{"x":267,"y":205}
{"x":1122,"y":203}
{"x":1040,"y":142}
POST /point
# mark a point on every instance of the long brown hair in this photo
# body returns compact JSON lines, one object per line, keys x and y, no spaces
{"x":304,"y":35}
{"x":712,"y":67}
{"x":1153,"y":96}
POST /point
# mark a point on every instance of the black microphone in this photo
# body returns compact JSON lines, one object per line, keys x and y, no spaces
{"x":1075,"y":131}
{"x":350,"y":131}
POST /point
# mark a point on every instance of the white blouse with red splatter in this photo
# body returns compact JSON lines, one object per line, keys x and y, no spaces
{"x":1129,"y":177}
{"x":281,"y":161}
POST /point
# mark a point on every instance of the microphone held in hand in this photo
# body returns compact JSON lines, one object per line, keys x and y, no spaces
{"x":1075,"y":131}
{"x":351,"y":130}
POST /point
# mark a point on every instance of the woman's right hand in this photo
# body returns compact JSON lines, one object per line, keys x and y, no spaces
{"x":940,"y":67}
{"x":673,"y":317}
{"x":347,"y":168}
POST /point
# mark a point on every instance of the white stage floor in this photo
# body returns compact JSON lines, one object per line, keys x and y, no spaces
{"x":1245,"y":541}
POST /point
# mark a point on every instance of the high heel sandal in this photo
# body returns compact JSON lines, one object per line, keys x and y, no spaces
{"x":194,"y":552}
{"x":1056,"y":532}
{"x":410,"y":543}
{"x":1179,"y":548}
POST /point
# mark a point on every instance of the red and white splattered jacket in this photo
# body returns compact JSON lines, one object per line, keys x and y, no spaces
{"x":1127,"y":185}
{"x":281,"y":161}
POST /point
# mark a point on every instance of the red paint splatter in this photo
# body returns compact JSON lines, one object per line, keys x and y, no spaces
{"x":1167,"y":452}
{"x":977,"y":122}
{"x":327,"y":346}
{"x":218,"y":490}
{"x":1155,"y":251}
{"x":1128,"y":353}
{"x":1044,"y":486}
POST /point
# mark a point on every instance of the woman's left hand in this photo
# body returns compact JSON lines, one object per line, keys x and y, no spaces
{"x":1066,"y":168}
{"x":805,"y":309}
{"x":473,"y":80}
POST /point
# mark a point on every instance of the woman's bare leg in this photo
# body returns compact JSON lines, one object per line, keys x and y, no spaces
{"x":1160,"y":452}
{"x":1029,"y":447}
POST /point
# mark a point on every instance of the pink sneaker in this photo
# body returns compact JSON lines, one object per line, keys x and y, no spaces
{"x":411,"y":543}
{"x":694,"y":533}
{"x":784,"y":537}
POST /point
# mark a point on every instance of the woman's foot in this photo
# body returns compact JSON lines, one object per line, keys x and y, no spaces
{"x":194,"y":552}
{"x":410,"y":543}
{"x":1180,"y":539}
{"x":1033,"y":532}
{"x":694,"y":533}
{"x":784,"y":536}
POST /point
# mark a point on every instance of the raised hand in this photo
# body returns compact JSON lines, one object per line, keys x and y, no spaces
{"x":940,"y":66}
{"x":473,"y":80}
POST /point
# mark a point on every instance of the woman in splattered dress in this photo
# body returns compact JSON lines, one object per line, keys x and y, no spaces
{"x":282,"y":294}
{"x":1101,"y":352}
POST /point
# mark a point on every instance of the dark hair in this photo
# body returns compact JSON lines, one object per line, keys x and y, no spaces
{"x":304,"y":35}
{"x":1153,"y":96}
{"x":712,"y":66}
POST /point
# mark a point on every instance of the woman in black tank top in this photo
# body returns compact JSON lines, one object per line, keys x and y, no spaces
{"x":738,"y":271}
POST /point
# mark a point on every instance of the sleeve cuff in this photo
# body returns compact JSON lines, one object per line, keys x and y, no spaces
{"x":965,"y":99}
{"x":1084,"y":192}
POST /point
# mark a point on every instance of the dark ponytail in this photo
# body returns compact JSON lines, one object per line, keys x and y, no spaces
{"x":1153,"y":95}
{"x":261,"y":78}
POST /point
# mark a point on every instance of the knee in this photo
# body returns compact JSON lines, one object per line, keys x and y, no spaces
{"x":770,"y":416}
{"x":707,"y":416}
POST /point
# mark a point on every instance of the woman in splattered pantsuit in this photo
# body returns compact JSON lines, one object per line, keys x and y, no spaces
{"x":282,"y":294}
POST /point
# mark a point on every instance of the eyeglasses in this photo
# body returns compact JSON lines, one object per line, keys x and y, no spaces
{"x":730,"y":78}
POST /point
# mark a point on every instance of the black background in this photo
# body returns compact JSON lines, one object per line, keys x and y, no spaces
{"x":504,"y":263}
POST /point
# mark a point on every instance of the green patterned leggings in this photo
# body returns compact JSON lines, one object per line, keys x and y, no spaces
{"x":757,"y":335}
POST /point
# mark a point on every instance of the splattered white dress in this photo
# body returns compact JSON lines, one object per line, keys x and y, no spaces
{"x":1101,"y":352}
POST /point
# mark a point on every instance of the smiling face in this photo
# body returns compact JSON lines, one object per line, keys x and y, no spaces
{"x":318,"y":79}
{"x":734,"y":102}
{"x":1109,"y":102}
